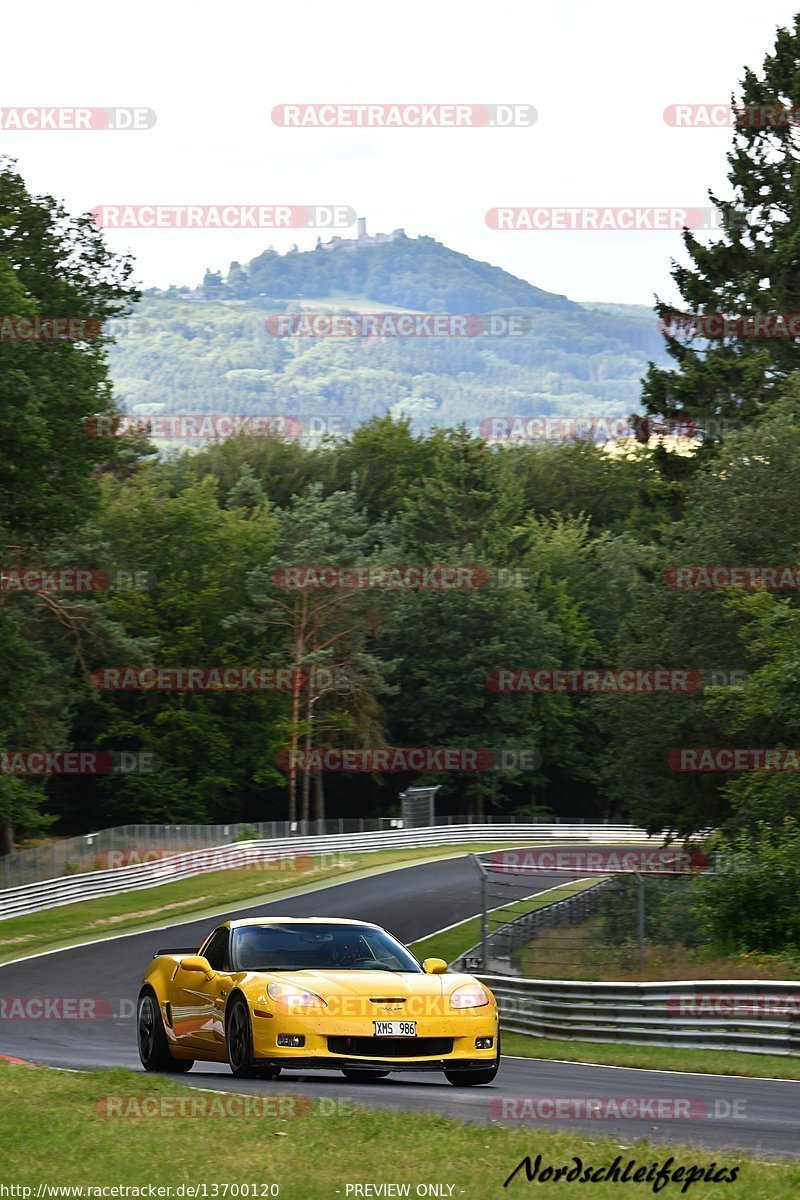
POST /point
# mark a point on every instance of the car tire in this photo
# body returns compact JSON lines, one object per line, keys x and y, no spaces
{"x":478,"y":1076}
{"x":154,"y":1051}
{"x":239,"y":1041}
{"x":358,"y":1075}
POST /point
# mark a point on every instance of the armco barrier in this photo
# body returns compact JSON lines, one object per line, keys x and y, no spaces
{"x":91,"y":851}
{"x":754,"y":1017}
{"x":52,"y":893}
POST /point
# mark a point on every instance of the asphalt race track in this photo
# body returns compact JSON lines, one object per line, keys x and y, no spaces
{"x":762,"y":1116}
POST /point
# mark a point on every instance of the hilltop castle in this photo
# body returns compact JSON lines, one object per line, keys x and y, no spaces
{"x":362,"y":238}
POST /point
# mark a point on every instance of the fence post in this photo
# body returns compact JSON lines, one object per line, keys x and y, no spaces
{"x":484,"y":914}
{"x":640,"y":922}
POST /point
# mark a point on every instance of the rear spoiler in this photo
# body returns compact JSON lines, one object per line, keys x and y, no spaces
{"x":172,"y":950}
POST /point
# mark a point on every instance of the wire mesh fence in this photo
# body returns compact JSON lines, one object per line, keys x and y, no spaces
{"x":564,"y":927}
{"x":419,"y":807}
{"x":125,"y":844}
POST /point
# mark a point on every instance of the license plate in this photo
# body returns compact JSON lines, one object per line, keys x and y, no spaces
{"x":395,"y":1028}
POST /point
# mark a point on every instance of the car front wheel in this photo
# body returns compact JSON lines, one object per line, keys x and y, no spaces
{"x":476,"y":1077}
{"x":239,"y":1041}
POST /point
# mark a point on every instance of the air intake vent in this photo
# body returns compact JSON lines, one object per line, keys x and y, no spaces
{"x":388,"y":1047}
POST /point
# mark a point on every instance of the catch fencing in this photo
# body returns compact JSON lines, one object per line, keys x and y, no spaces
{"x":91,"y":851}
{"x":639,"y":912}
{"x":494,"y":950}
{"x":95,"y":884}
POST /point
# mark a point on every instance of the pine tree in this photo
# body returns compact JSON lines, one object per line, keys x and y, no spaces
{"x":247,"y":492}
{"x":754,"y":269}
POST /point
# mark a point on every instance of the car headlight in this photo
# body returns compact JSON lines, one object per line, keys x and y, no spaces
{"x":293,"y":996}
{"x":470,"y":995}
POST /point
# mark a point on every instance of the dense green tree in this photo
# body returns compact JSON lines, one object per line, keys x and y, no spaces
{"x":750,"y":902}
{"x":740,"y":511}
{"x":191,"y":559}
{"x":51,"y":266}
{"x":448,"y":643}
{"x":753,"y":269}
{"x":461,"y":503}
{"x":281,"y":468}
{"x":763,"y":709}
{"x":620,"y":492}
{"x":384,"y":462}
{"x":247,"y":493}
{"x":325,"y":629}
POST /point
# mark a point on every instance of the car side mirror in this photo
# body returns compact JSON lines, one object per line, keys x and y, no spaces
{"x":197,"y":964}
{"x":434,"y":966}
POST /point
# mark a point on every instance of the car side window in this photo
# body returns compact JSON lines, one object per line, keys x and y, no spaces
{"x":217,"y":950}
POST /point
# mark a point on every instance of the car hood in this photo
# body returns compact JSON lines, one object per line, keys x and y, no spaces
{"x":374,"y":984}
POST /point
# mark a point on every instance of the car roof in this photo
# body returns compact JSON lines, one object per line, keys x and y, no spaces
{"x":299,"y":921}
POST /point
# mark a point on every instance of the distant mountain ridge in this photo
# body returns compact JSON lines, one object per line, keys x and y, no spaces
{"x":416,"y":273}
{"x":212,"y":349}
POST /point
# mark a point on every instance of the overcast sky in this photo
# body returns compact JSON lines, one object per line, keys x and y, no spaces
{"x":599,"y":72}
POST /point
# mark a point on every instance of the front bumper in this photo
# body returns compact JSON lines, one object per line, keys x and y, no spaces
{"x":450,"y":1040}
{"x":333,"y":1063}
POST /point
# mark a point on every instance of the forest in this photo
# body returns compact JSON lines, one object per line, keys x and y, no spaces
{"x":301,"y":628}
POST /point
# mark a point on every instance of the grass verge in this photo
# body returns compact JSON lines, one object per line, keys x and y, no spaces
{"x":451,"y":943}
{"x":657,"y":1058}
{"x":60,"y":1135}
{"x":202,"y":895}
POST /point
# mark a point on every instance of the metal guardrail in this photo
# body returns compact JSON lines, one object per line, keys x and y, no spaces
{"x":729,"y":1014}
{"x":279,"y":854}
{"x":105,"y":848}
{"x":519,"y":931}
{"x":102,"y":848}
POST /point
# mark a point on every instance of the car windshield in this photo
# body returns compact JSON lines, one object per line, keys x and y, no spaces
{"x":319,"y":947}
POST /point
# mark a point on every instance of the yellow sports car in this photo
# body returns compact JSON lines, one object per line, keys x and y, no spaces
{"x":314,"y":992}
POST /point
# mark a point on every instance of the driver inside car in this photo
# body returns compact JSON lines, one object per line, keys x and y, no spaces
{"x":349,"y":951}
